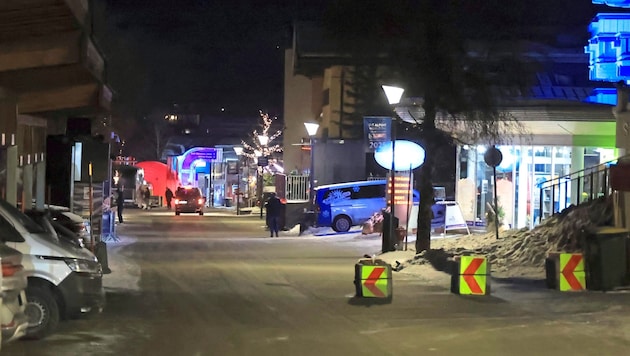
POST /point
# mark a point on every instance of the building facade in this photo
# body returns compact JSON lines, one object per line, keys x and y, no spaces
{"x":50,"y":70}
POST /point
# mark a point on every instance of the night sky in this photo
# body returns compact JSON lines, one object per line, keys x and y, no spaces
{"x":214,"y":54}
{"x":229,"y":53}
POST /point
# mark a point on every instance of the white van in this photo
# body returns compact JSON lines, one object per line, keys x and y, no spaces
{"x":63,"y":280}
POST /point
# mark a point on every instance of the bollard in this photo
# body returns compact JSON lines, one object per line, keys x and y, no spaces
{"x":101,"y":255}
{"x":373,"y":279}
{"x":471,"y":276}
{"x":565,"y":271}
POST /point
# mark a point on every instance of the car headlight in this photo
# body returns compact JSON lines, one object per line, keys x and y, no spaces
{"x":84,"y":266}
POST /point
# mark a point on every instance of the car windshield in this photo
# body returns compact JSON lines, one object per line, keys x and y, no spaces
{"x":30,"y":225}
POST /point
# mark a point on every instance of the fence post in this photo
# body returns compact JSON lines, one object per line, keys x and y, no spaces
{"x":553,"y":198}
{"x":592,"y":185}
{"x":540,"y":203}
{"x":579,"y":190}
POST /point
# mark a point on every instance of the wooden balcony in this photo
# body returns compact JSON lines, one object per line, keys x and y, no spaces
{"x":47,"y":58}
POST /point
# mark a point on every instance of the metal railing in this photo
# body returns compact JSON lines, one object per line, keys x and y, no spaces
{"x":297,"y":188}
{"x":574,"y":188}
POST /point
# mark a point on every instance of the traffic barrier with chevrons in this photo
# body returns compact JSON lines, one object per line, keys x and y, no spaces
{"x":565,"y":271}
{"x":471,"y":276}
{"x":373,"y":278}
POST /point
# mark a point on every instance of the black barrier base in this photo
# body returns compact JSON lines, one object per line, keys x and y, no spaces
{"x":551,"y":272}
{"x":100,"y":251}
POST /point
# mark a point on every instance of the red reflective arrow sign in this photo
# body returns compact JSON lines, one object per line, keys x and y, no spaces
{"x":370,"y":282}
{"x":469,"y":275}
{"x":568,"y":270}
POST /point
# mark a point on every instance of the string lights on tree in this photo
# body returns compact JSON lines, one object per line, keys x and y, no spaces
{"x":256,"y":148}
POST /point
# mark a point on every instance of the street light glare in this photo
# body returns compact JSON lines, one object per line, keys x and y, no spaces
{"x":311,"y":128}
{"x":393,"y":94}
{"x":238,"y":150}
{"x":263,"y":139}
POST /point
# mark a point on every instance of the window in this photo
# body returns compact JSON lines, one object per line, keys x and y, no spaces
{"x":190,"y":193}
{"x":9,"y":233}
{"x":369,"y":192}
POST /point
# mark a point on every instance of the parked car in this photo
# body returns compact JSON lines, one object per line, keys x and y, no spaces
{"x":63,"y":280}
{"x":70,"y":220}
{"x":189,"y":200}
{"x":13,"y":320}
{"x":56,"y":229}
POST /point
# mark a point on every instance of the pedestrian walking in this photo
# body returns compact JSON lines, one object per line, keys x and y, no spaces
{"x":274,"y":207}
{"x":120,"y":203}
{"x":146,"y":198}
{"x":139,"y":198}
{"x":169,"y":196}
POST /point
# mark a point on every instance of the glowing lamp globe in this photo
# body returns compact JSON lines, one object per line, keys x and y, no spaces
{"x":407,"y":155}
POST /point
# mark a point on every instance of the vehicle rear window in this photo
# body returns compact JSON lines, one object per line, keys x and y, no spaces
{"x":188,"y":193}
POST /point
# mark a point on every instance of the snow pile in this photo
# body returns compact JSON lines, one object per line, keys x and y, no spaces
{"x":515,"y":250}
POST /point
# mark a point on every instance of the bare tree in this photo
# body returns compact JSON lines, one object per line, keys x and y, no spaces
{"x":459,"y":93}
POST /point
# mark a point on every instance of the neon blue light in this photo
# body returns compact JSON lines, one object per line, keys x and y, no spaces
{"x":615,"y":3}
{"x":609,"y":47}
{"x":603,"y":96}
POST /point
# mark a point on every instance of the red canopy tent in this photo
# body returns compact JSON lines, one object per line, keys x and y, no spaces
{"x":159,"y":176}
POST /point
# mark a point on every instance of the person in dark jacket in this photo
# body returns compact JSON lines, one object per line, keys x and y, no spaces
{"x":120,"y":203}
{"x":169,"y":197}
{"x":274,"y":208}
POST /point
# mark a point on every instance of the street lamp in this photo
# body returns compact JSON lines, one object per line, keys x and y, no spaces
{"x":311,"y":129}
{"x":264,"y":140}
{"x":393,"y":95}
{"x":239,"y":152}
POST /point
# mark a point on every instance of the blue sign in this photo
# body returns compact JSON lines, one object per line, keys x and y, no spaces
{"x":208,"y":155}
{"x":378,"y":131}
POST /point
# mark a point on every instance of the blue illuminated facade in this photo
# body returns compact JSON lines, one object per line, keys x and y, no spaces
{"x":609,"y":47}
{"x":609,"y":50}
{"x":615,"y":3}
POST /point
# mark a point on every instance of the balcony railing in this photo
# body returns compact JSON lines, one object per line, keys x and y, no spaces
{"x":574,"y":188}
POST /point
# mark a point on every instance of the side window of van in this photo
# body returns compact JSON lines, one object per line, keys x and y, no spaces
{"x":370,"y":192}
{"x":8,"y":233}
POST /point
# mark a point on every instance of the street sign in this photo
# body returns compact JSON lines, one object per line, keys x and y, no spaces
{"x":493,"y":157}
{"x":210,"y":154}
{"x":378,"y":131}
{"x":263,"y":161}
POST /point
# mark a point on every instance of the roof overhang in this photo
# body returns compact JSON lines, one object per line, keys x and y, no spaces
{"x":581,"y":125}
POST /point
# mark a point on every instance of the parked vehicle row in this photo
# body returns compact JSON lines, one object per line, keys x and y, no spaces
{"x":48,"y":274}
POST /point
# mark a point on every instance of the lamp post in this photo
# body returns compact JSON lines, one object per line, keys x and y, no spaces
{"x":311,"y":129}
{"x":264,"y":140}
{"x":393,"y":95}
{"x":239,"y":151}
